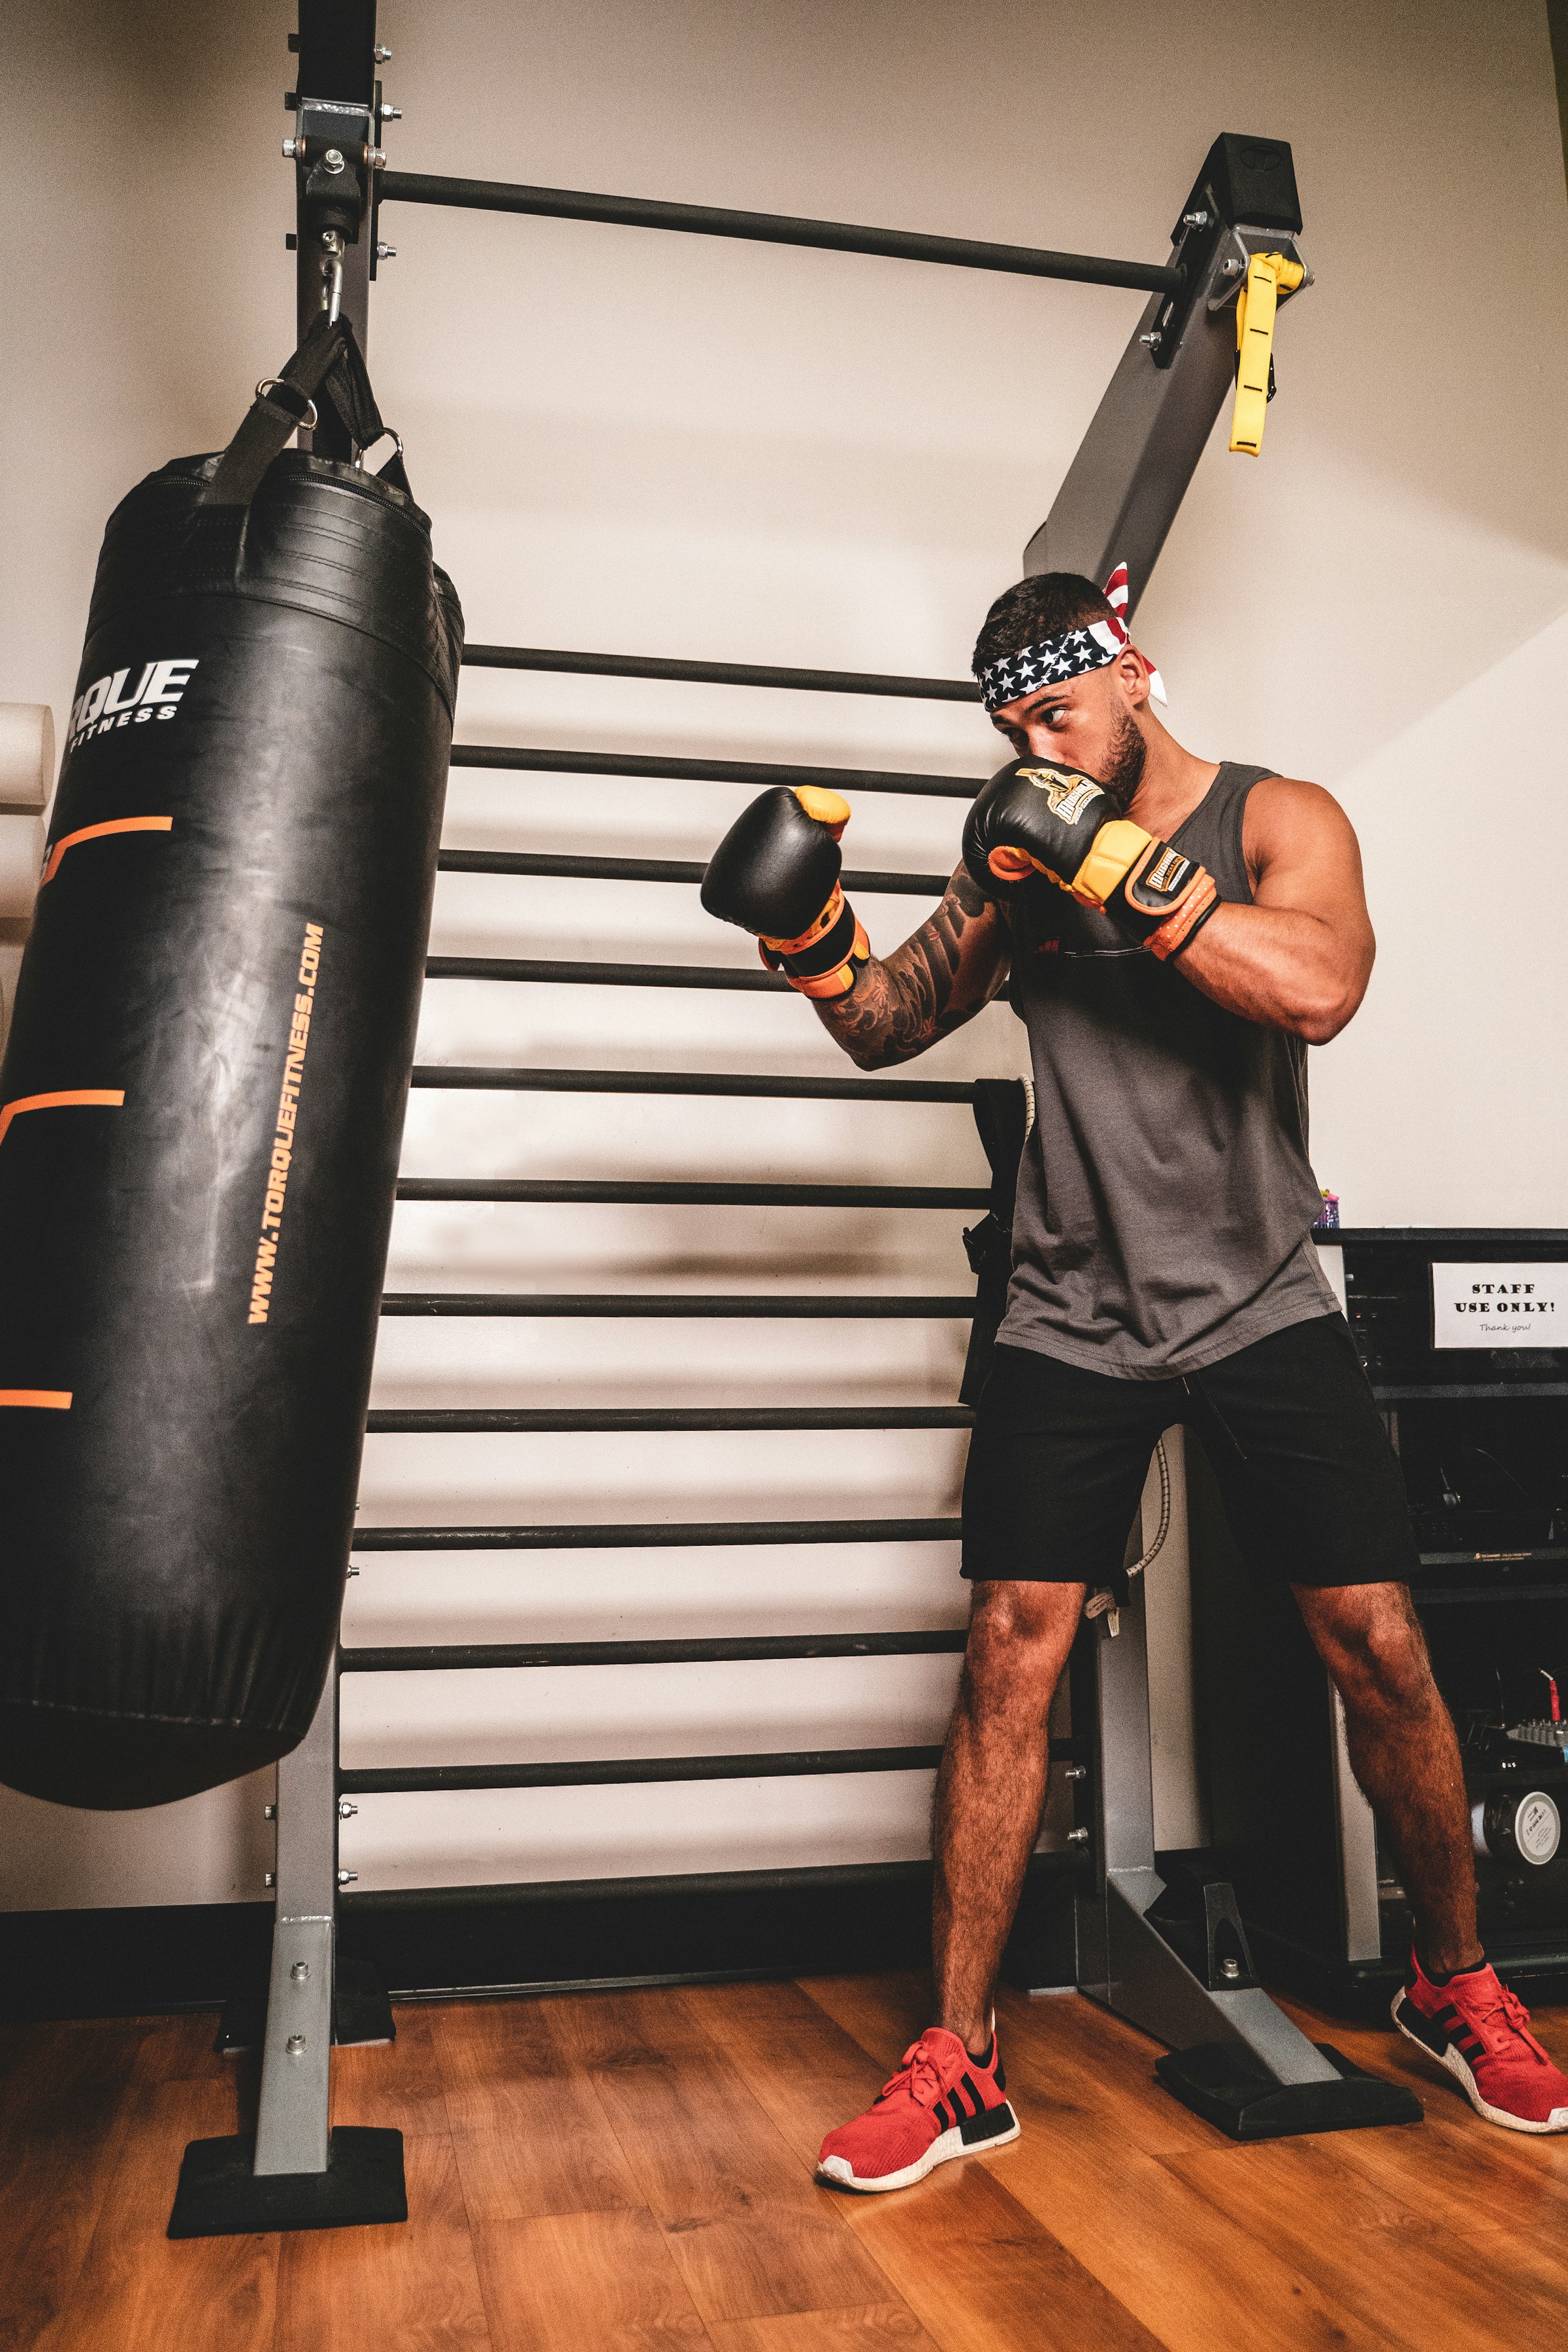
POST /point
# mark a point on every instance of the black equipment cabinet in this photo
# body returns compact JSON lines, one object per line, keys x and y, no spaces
{"x":1481,"y":1432}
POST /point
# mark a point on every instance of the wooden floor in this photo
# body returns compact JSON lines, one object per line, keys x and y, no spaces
{"x":601,"y":2172}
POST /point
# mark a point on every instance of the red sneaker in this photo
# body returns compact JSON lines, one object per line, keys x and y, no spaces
{"x":1480,"y":2031}
{"x":941,"y":2103}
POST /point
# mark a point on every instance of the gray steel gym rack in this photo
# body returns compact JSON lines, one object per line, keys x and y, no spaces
{"x":1179,"y":1969}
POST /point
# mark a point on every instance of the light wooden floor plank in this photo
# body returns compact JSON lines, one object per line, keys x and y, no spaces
{"x":62,"y":2095}
{"x":530,"y":2138}
{"x":584,"y":2283}
{"x":745,"y":2226}
{"x":137,"y":2288}
{"x":389,"y":2288}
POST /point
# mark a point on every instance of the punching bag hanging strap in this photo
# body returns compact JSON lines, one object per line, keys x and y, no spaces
{"x":329,"y":362}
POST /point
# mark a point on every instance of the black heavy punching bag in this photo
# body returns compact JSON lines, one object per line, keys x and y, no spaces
{"x":202,"y":1102}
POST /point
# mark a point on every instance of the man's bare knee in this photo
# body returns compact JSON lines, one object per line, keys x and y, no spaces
{"x":1019,"y":1635}
{"x":1370,"y":1639}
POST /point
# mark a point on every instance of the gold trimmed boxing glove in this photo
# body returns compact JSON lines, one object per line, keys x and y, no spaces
{"x":776,"y":873}
{"x":1031,"y":819}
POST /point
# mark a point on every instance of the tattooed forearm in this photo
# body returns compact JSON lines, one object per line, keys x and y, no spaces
{"x":932,"y":985}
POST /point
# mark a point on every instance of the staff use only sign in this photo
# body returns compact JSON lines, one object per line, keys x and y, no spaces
{"x":1499,"y":1306}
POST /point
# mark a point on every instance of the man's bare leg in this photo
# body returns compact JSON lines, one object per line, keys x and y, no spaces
{"x":1405,"y":1755}
{"x":991,"y":1790}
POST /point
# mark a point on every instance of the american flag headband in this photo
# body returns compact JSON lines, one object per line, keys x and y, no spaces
{"x":1069,"y":654}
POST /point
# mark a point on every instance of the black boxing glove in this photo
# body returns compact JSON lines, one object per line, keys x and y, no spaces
{"x":776,"y":874}
{"x":1035,"y":820}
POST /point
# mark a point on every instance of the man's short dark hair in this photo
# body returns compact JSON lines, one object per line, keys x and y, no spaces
{"x":1040,"y":607}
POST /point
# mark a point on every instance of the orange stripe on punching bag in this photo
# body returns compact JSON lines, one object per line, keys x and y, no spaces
{"x":98,"y":833}
{"x":51,"y":1400}
{"x":107,"y":1097}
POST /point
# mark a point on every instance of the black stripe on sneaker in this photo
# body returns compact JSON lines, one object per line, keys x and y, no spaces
{"x":1425,"y":2029}
{"x":997,"y":2076}
{"x":988,"y":2125}
{"x":941,"y":2116}
{"x":977,"y":2102}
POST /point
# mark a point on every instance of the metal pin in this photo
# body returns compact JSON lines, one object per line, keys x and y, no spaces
{"x":347,"y":1878}
{"x":299,"y":1971}
{"x":332,"y":160}
{"x":269,"y":1813}
{"x":295,"y":2045}
{"x":391,"y":113}
{"x":382,"y":253}
{"x":1231,"y":269}
{"x":1152,"y":341}
{"x":382,"y":53}
{"x":269,"y":1878}
{"x":1194,"y":220}
{"x":290,"y":149}
{"x":1231,"y":1969}
{"x":345,"y":1811}
{"x":1078,"y":1837}
{"x":1076,"y":1772}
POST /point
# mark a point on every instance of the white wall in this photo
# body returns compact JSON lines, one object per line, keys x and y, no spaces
{"x":675,"y":445}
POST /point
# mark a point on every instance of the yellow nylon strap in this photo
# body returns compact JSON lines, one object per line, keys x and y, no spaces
{"x":1255,"y":306}
{"x":1116,"y":849}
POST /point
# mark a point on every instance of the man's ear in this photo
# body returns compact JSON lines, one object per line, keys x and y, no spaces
{"x":1134,"y":678}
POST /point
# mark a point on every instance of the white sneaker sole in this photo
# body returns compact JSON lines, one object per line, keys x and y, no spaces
{"x":1557,"y":2121}
{"x":952,"y":2143}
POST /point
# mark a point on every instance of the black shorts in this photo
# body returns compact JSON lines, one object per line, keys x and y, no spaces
{"x":1310,"y":1484}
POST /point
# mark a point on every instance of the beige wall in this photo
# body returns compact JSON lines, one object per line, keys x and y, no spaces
{"x":685,"y":446}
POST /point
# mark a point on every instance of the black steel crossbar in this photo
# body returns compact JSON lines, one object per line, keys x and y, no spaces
{"x":605,"y":975}
{"x":609,"y":1772}
{"x":776,"y":228}
{"x":657,"y":1535}
{"x":761,"y":772}
{"x":464,"y":1075}
{"x":484,"y":1421}
{"x":698,"y":1196}
{"x":711,"y":672}
{"x":466,"y":1657}
{"x":657,"y":869}
{"x":682,"y":1306}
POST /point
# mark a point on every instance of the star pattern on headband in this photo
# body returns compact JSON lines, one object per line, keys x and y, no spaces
{"x":1068,"y":655}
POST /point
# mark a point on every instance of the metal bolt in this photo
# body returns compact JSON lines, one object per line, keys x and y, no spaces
{"x":332,"y":242}
{"x":290,"y":149}
{"x":382,"y":53}
{"x":299,"y":1971}
{"x":391,"y":249}
{"x":382,"y":253}
{"x":295,"y":2045}
{"x":332,"y":160}
{"x":347,"y":1878}
{"x":1231,"y":269}
{"x":1230,"y":1969}
{"x":1078,"y":1837}
{"x":1076,"y":1772}
{"x":1152,"y":342}
{"x":1194,"y":220}
{"x":375,"y":157}
{"x":345,"y":1811}
{"x":391,"y":113}
{"x":269,"y":1878}
{"x":269,"y":1813}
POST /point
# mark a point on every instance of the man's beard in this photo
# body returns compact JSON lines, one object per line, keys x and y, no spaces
{"x":1123,"y":770}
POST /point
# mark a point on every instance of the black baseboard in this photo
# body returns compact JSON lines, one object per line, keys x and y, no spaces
{"x":447,"y":1942}
{"x":158,"y":1960}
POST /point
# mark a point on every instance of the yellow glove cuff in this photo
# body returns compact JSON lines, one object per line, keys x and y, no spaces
{"x":1114,"y":853}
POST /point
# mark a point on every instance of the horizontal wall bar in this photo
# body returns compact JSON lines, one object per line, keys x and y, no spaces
{"x":679,"y":1305}
{"x":607,"y":975}
{"x":657,"y":1535}
{"x":710,"y":673}
{"x":775,"y":228}
{"x":477,"y":1076}
{"x":465,"y":1657}
{"x":611,"y":1772}
{"x":701,"y":1196}
{"x":483,"y":1421}
{"x":657,"y":869}
{"x":760,"y":772}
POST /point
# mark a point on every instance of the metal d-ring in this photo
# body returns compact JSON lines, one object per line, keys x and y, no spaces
{"x":387,"y":433}
{"x":308,"y":423}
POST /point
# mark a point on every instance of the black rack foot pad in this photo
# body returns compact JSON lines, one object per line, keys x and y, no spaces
{"x":219,"y":2196}
{"x":1220,"y":2084}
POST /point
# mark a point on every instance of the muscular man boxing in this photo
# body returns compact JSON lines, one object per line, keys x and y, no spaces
{"x":1177,"y":934}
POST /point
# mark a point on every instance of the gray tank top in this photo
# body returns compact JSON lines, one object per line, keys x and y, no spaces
{"x":1165,"y":1194}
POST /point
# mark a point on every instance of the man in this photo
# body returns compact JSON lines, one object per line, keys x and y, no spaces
{"x":1177,"y":932}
